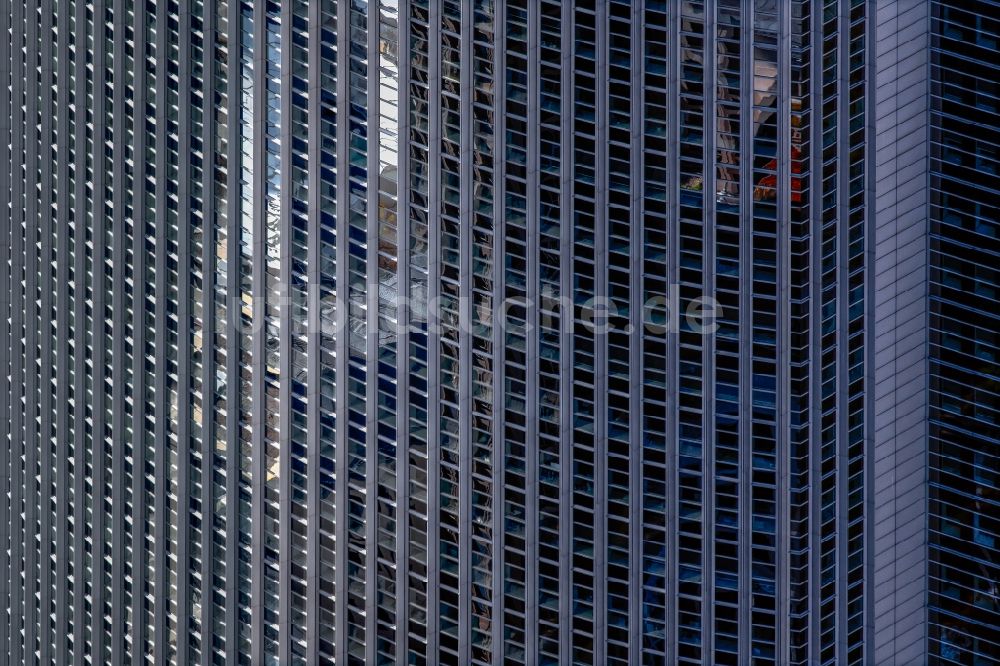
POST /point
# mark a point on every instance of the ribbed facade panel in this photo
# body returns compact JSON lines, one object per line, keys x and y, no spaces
{"x":367,"y":332}
{"x":898,"y":463}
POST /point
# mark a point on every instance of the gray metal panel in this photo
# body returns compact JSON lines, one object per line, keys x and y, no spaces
{"x":897,"y":492}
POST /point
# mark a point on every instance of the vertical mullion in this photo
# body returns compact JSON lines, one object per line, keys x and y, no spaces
{"x":161,"y":599}
{"x":342,"y":316}
{"x":234,"y":329}
{"x":433,"y":329}
{"x":137,"y":612}
{"x":745,"y":332}
{"x":184,"y":393}
{"x":636,"y":406}
{"x":871,"y":100}
{"x":465,"y":340}
{"x":285,"y":311}
{"x":672,"y":337}
{"x":100,"y":324}
{"x":31,"y":432}
{"x":531,"y":338}
{"x":783,"y":312}
{"x":313,"y":340}
{"x":79,"y":320}
{"x":567,"y":316}
{"x":498,"y":434}
{"x":815,"y":339}
{"x":18,"y":479}
{"x":707,"y":344}
{"x":61,"y":600}
{"x":7,"y":491}
{"x":843,"y":293}
{"x":371,"y":330}
{"x":600,"y":339}
{"x":45,"y":333}
{"x":258,"y":420}
{"x":208,"y":338}
{"x":403,"y":318}
{"x":118,"y":347}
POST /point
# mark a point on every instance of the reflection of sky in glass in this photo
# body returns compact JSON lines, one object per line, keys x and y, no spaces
{"x":388,"y":73}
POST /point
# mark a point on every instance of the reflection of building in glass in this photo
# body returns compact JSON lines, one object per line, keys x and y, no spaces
{"x":298,"y":363}
{"x":963,"y":463}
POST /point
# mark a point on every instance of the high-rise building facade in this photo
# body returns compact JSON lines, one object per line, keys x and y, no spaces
{"x":500,"y":331}
{"x":963,"y":318}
